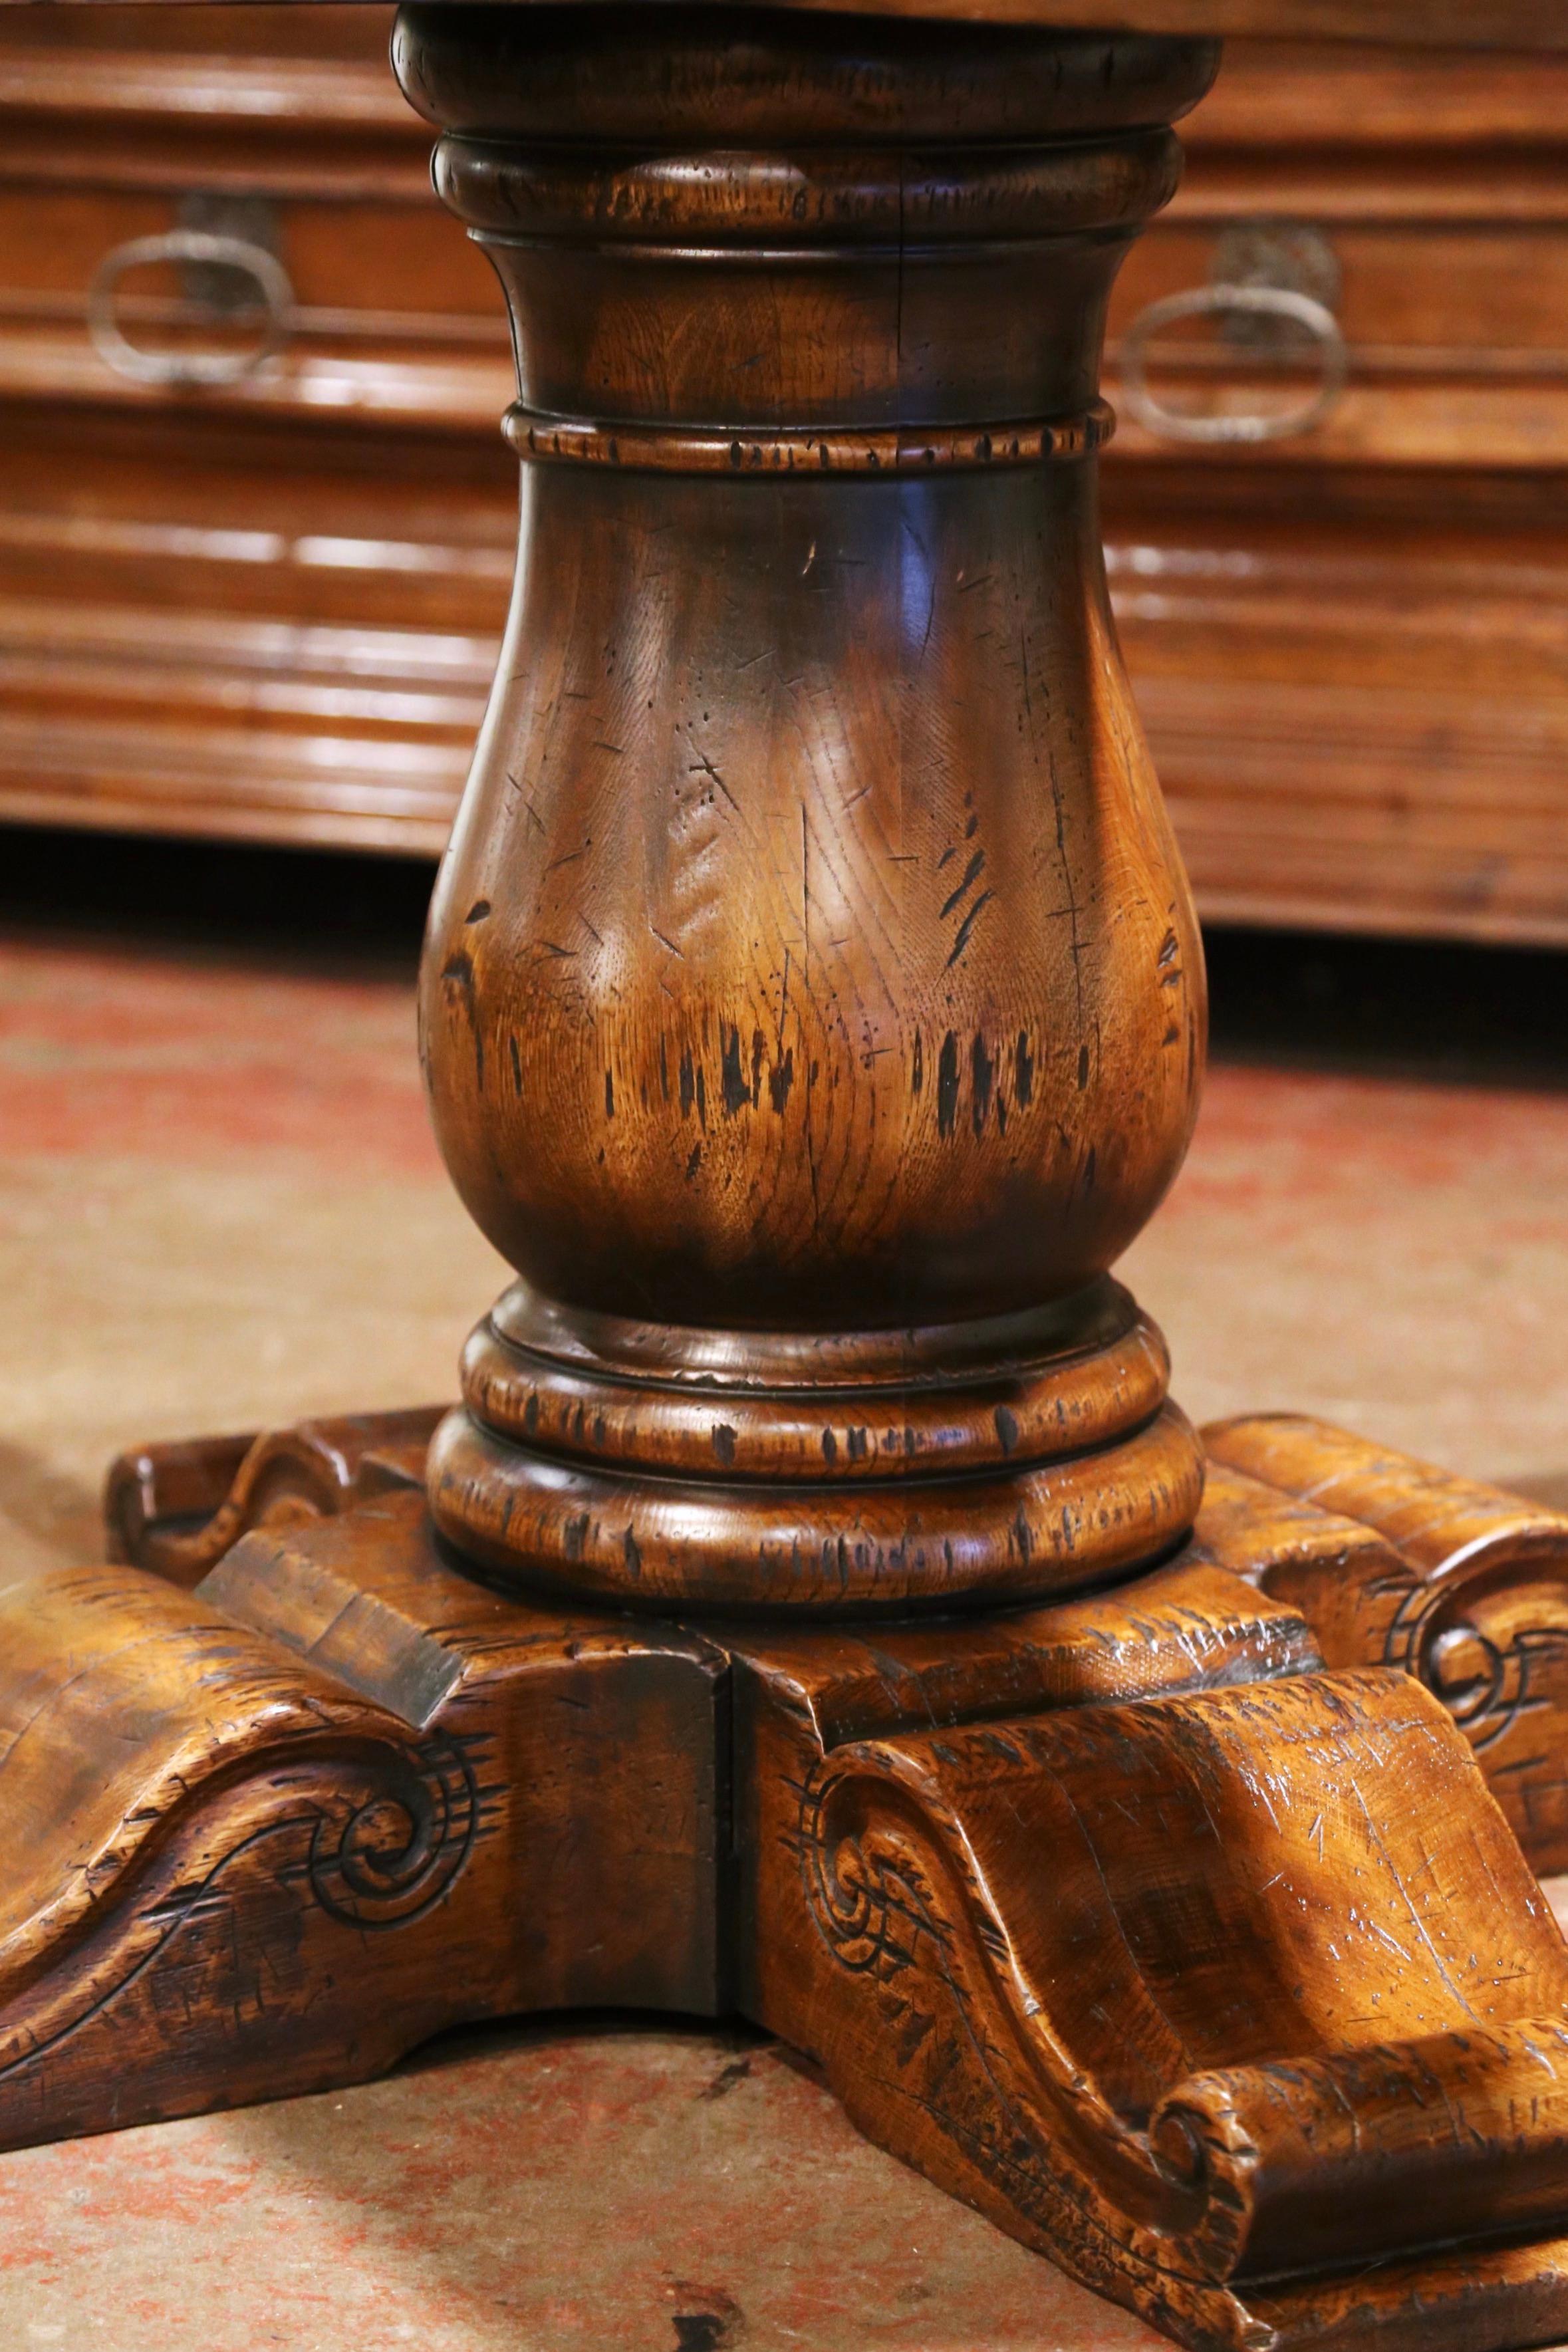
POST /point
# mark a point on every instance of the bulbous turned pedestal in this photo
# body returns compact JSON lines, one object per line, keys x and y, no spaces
{"x":812,"y":1004}
{"x":813,"y":1012}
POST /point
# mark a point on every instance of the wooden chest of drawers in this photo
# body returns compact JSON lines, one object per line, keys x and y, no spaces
{"x":269,"y":608}
{"x":1350,"y":646}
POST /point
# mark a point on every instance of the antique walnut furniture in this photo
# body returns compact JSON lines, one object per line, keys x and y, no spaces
{"x":268,"y":606}
{"x":815,"y":1609}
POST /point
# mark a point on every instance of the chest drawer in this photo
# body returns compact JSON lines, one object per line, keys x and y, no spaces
{"x":115,"y":154}
{"x":1423,"y":203}
{"x":269,"y":608}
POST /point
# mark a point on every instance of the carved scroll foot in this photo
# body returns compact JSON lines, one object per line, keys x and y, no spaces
{"x":1391,"y":1561}
{"x":1195,"y":1958}
{"x":1396,"y":1563}
{"x":177,"y":1508}
{"x":1234,"y":1996}
{"x":265,"y":1837}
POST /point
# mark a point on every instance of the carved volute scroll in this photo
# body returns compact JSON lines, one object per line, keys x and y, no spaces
{"x":813,"y":1012}
{"x":812,"y":1004}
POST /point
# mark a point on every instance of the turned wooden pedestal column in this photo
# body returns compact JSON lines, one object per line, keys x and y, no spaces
{"x":816,"y":1607}
{"x":814,"y":1006}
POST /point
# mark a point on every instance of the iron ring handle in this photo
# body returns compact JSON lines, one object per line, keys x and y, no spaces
{"x":1265,"y":302}
{"x":128,"y":359}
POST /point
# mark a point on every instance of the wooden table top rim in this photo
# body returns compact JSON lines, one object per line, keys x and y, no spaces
{"x":1531,"y":25}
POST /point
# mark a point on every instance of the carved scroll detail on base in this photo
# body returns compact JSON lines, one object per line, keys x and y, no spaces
{"x":267,"y":1836}
{"x":1213,"y":1974}
{"x":189,"y":1911}
{"x":1240,"y":2002}
{"x":177,"y":1508}
{"x":1397,"y":1563}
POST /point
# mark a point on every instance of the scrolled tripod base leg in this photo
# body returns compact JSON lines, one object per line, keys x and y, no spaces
{"x":268,"y":1836}
{"x":1231,"y":2000}
{"x":1208,"y":1970}
{"x":1397,"y":1563}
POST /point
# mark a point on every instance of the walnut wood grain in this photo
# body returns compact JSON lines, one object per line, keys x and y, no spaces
{"x":326,"y":1838}
{"x":1389,"y":1561}
{"x":812,"y":1012}
{"x":1345,"y":652}
{"x":806,"y":934}
{"x":1460,"y":1583}
{"x":1304,"y":1918}
{"x":177,"y":1509}
{"x":1249,"y":2090}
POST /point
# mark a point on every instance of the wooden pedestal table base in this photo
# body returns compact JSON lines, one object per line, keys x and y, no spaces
{"x":1122,"y":1918}
{"x":803,"y":1612}
{"x":1392,"y":1563}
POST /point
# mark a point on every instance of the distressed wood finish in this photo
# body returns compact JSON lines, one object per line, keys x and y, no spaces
{"x":324,"y":1841}
{"x":813,"y":1010}
{"x":1397,"y":1563}
{"x":812,"y":1004}
{"x":1170,"y":2055}
{"x":1302,"y":1920}
{"x":176,"y":1509}
{"x":1391,"y":1561}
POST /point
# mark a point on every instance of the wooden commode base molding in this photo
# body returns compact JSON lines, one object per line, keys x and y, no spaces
{"x":815,"y":1608}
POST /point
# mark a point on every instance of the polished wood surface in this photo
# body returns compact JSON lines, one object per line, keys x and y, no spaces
{"x":1456,"y":1582}
{"x":1285,"y":1886}
{"x":1389,"y":1561}
{"x":1169,"y":2057}
{"x":1480,"y":23}
{"x":270,"y":610}
{"x":812,"y":1012}
{"x":1347,"y":644}
{"x":812,"y":997}
{"x":347,"y":1763}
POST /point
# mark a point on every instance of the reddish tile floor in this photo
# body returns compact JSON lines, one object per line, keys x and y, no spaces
{"x":1385,"y":1252}
{"x":219,"y":1204}
{"x":608,"y":2189}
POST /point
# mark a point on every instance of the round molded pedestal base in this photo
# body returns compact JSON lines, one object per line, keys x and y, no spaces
{"x":685,"y":1469}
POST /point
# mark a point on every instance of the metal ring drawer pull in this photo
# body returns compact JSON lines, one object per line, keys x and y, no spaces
{"x":1266,"y":301}
{"x":190,"y":244}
